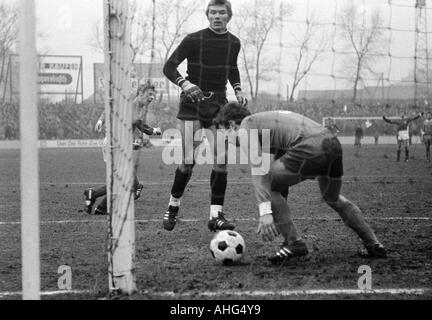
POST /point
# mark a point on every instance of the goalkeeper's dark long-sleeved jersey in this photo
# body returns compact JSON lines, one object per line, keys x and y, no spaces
{"x":212,"y":60}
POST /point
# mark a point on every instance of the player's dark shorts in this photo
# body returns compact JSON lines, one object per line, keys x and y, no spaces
{"x":315,"y":156}
{"x":204,"y":111}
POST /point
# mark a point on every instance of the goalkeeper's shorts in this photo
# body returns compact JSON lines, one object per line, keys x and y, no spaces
{"x":204,"y":111}
{"x":315,"y":156}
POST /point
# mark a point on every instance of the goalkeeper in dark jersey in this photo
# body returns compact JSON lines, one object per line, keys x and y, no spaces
{"x":211,"y":56}
{"x":427,"y":135}
{"x":402,"y":134}
{"x":145,"y":95}
{"x":300,"y":149}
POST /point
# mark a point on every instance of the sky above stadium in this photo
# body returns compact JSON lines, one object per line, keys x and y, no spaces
{"x":67,"y":28}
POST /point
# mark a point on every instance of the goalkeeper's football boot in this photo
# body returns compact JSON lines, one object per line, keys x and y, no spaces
{"x":286,"y":252}
{"x":170,"y":218}
{"x":90,"y":200}
{"x":375,"y":251}
{"x":138,"y":191}
{"x":220,"y":223}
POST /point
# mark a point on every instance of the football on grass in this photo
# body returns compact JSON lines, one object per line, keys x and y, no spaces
{"x":227,"y":247}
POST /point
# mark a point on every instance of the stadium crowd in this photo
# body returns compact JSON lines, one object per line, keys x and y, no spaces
{"x":76,"y":121}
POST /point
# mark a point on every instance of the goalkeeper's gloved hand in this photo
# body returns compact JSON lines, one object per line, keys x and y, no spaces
{"x":241,"y":98}
{"x":266,"y":227}
{"x":157,"y":131}
{"x":192,"y":91}
{"x":98,"y":126}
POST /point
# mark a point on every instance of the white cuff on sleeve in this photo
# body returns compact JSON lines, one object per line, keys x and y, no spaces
{"x":265,"y":208}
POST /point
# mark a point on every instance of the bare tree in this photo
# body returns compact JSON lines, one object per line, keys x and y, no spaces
{"x":170,"y":18}
{"x":254,"y":27}
{"x":97,"y":37}
{"x":178,"y":13}
{"x":312,"y":45}
{"x":8,"y":36}
{"x":366,"y":39}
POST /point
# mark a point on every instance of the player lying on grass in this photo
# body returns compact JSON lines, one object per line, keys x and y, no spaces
{"x":144,"y":96}
{"x":427,"y":135}
{"x":301,"y":149}
{"x":402,"y":134}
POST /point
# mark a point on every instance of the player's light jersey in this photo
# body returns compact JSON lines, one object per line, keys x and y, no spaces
{"x":427,"y":127}
{"x":286,"y":128}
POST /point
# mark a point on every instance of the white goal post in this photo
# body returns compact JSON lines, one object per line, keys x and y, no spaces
{"x":120,"y":169}
{"x":29,"y":133}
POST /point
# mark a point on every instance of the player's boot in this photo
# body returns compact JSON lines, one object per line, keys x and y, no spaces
{"x":170,"y":218}
{"x":220,"y":223}
{"x":138,"y":191}
{"x":89,"y":200}
{"x":373,"y":251}
{"x":286,"y":252}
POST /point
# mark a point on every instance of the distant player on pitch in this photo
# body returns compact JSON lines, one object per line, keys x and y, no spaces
{"x":211,"y":56}
{"x":427,"y":135}
{"x":402,"y":134}
{"x":144,"y":96}
{"x":301,"y":149}
{"x":358,"y":136}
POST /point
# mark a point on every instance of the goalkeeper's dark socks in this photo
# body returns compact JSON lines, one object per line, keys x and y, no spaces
{"x":218,"y":183}
{"x":398,"y":155}
{"x":181,"y":180}
{"x":406,"y":155}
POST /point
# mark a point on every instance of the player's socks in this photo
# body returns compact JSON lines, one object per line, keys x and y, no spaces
{"x":90,"y":199}
{"x":174,"y":202}
{"x":398,"y":155}
{"x":406,"y":155}
{"x":214,"y":211}
{"x":181,"y":180}
{"x":218,"y":184}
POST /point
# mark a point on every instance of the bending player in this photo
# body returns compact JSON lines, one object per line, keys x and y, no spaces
{"x":402,"y":134}
{"x":300,"y":149}
{"x":427,"y":135}
{"x":211,"y":56}
{"x":145,"y":95}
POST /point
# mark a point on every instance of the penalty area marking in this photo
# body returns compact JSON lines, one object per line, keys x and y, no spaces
{"x":248,"y":293}
{"x":12,"y":223}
